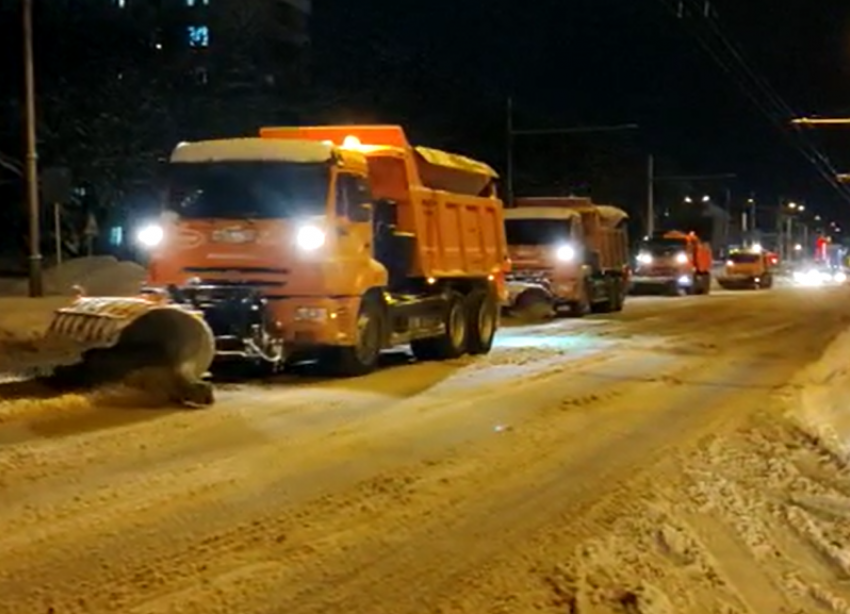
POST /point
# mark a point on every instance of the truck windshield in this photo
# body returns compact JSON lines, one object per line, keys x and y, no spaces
{"x":537,"y":232}
{"x":248,"y":189}
{"x":662,"y":247}
{"x":744,"y":258}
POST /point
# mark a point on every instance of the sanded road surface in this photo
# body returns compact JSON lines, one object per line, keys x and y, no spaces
{"x":462,"y":486}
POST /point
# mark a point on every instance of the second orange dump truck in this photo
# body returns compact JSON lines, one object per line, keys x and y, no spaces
{"x":333,"y":242}
{"x":568,"y":254}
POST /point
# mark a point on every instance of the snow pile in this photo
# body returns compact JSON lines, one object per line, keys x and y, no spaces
{"x":821,"y":401}
{"x":23,"y":322}
{"x":98,"y":275}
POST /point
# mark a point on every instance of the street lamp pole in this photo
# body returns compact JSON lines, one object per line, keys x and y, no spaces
{"x":35,"y":274}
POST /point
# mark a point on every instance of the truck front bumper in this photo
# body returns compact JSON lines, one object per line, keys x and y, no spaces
{"x":739,"y":282}
{"x":679,"y":281}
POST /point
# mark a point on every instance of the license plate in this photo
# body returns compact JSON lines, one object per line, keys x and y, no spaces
{"x":233,"y":236}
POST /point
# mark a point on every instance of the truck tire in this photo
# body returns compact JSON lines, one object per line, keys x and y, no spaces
{"x":706,"y":284}
{"x":583,"y":306}
{"x":483,"y":320}
{"x":619,"y":295}
{"x":361,"y":358}
{"x":453,"y":342}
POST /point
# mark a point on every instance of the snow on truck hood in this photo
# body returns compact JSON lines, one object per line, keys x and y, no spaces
{"x":253,"y":149}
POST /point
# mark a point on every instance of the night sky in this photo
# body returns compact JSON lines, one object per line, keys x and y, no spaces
{"x":602,"y":62}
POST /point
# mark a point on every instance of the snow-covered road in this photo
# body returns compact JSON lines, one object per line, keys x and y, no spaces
{"x":581,"y":467}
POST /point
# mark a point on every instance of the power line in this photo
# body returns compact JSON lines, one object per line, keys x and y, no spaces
{"x":780,"y":113}
{"x":826,"y":167}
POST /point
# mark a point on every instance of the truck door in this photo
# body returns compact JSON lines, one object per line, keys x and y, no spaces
{"x":354,"y":217}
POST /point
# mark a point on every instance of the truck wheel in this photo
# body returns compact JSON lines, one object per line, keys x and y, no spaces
{"x":618,"y":299}
{"x":706,"y":284}
{"x":583,"y":306}
{"x":453,"y":342}
{"x":361,"y":358}
{"x":483,"y":316}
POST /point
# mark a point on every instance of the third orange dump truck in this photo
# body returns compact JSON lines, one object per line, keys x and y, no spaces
{"x":333,"y":242}
{"x":673,"y":261}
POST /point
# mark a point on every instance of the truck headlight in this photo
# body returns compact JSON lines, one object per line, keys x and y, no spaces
{"x":150,"y":236}
{"x":644,"y":258}
{"x":682,"y":258}
{"x":566,"y":253}
{"x":310,"y":238}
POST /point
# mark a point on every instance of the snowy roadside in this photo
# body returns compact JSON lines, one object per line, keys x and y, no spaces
{"x":758,"y":519}
{"x":23,"y":320}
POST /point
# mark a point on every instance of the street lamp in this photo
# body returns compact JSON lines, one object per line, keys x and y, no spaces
{"x":706,"y":199}
{"x":35,"y":277}
{"x":688,"y":199}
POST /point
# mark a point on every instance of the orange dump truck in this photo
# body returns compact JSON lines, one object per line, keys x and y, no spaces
{"x":567,"y":254}
{"x":678,"y":262}
{"x":332,"y":242}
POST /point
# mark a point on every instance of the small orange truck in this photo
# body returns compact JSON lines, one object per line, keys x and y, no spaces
{"x":747,"y":270}
{"x":675,"y":261}
{"x":327,"y":242}
{"x":567,"y":254}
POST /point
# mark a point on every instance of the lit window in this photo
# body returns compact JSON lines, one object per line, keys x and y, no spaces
{"x":199,"y":36}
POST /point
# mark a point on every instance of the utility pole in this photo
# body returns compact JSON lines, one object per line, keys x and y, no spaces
{"x":509,"y":180}
{"x":36,"y":286}
{"x":650,"y":196}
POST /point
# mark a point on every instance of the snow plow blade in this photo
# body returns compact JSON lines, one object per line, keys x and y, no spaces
{"x":117,"y":336}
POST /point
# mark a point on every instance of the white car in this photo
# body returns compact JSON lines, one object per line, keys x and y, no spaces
{"x":819,"y":275}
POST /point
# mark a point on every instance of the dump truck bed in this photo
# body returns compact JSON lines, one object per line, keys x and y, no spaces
{"x":447,"y":201}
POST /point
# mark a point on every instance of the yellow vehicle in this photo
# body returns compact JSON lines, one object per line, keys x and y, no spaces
{"x":747,"y":270}
{"x":333,"y":242}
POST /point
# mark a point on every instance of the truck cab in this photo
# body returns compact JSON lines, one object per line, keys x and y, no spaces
{"x":747,"y":269}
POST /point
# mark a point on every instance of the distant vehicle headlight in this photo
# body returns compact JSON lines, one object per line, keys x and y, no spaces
{"x":310,"y":238}
{"x":644,"y":258}
{"x":150,"y":236}
{"x":566,"y":253}
{"x":682,"y":258}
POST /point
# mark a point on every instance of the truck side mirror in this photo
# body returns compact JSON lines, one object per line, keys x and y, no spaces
{"x":386,"y":211}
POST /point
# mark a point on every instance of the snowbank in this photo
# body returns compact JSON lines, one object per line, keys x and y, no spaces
{"x":23,"y":320}
{"x":821,"y":403}
{"x":98,"y":275}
